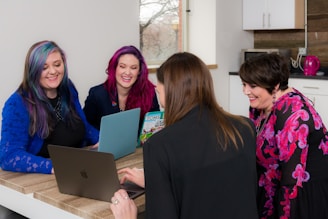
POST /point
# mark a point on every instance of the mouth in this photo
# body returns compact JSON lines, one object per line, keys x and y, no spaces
{"x":251,"y":99}
{"x":52,"y":77}
{"x":126,"y":78}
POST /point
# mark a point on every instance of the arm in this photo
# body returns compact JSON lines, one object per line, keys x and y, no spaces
{"x":90,"y":106}
{"x":95,"y":105}
{"x":294,"y":126}
{"x":92,"y":134}
{"x":18,"y":149}
{"x":160,"y":201}
{"x":155,"y":106}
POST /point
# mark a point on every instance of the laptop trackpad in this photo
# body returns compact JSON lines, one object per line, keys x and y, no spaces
{"x":132,"y":189}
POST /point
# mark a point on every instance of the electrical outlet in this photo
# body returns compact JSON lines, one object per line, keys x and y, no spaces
{"x":302,"y":51}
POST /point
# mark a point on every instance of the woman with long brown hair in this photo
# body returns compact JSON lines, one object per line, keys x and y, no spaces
{"x":202,"y":164}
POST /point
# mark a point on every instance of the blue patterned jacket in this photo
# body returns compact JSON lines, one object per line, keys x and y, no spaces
{"x":18,"y":149}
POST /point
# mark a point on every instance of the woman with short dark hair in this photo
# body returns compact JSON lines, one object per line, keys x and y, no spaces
{"x":292,"y":143}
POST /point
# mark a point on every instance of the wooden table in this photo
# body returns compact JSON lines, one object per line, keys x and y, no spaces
{"x":37,"y":195}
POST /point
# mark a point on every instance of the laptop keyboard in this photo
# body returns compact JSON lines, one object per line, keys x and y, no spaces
{"x":131,"y":193}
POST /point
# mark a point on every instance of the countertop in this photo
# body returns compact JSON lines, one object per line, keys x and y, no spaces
{"x":299,"y":75}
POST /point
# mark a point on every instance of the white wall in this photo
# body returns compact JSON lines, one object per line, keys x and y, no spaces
{"x":202,"y":29}
{"x":230,"y":39}
{"x":88,"y":31}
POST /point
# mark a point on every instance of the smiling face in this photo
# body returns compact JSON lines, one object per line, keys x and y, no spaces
{"x":259,"y":97}
{"x":52,"y":74}
{"x":127,"y":71}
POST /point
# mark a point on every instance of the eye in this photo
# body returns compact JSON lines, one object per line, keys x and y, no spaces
{"x":57,"y":64}
{"x":250,"y":85}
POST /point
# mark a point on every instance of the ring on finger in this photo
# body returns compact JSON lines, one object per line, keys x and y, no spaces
{"x":115,"y":202}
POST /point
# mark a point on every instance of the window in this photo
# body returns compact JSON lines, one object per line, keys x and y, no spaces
{"x":161,"y":29}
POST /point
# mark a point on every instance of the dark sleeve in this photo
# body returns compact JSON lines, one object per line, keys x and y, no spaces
{"x":92,"y":134}
{"x":91,"y":108}
{"x":155,"y":106}
{"x":294,"y":126}
{"x":160,"y":202}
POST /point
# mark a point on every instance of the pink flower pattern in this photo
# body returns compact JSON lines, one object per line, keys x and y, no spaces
{"x":282,"y":148}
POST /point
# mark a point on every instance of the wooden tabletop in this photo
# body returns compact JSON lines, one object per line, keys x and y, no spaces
{"x":44,"y":188}
{"x":27,"y":182}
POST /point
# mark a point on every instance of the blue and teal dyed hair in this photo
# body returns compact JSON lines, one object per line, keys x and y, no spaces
{"x":39,"y":108}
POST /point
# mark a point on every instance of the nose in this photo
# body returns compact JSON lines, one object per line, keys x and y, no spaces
{"x":246,"y":90}
{"x":52,"y":70}
{"x":127,"y":72}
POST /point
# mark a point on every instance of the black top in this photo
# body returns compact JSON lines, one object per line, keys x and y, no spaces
{"x":99,"y":104}
{"x":188,"y":175}
{"x":70,"y":135}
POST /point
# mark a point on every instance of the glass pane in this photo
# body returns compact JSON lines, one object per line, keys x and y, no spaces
{"x":160,"y":29}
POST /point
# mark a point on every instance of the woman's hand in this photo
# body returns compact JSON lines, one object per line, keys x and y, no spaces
{"x":122,"y":206}
{"x":90,"y":147}
{"x":135,"y":175}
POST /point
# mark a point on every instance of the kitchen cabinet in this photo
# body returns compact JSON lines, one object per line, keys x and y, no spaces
{"x":273,"y":14}
{"x":238,"y":101}
{"x":317,"y":91}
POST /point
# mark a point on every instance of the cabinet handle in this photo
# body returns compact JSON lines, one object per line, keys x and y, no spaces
{"x":269,"y":23}
{"x":263,"y":20}
{"x":309,"y":87}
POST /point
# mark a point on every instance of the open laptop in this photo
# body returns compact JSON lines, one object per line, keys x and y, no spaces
{"x":87,"y":173}
{"x":119,"y":133}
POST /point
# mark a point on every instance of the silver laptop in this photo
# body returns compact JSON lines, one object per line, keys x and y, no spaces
{"x":119,"y":133}
{"x":87,"y":173}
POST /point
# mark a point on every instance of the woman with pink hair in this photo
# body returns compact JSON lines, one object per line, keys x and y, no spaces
{"x":126,"y":87}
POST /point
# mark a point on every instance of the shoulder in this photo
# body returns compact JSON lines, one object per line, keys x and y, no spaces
{"x":246,"y":120}
{"x":100,"y":88}
{"x":290,"y":102}
{"x":99,"y":94}
{"x":245,"y":126}
{"x":15,"y":100}
{"x":14,"y":106}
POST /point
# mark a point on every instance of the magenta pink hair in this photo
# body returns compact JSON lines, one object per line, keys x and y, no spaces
{"x":142,"y":92}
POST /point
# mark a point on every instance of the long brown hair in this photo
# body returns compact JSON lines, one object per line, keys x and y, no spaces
{"x":188,"y":83}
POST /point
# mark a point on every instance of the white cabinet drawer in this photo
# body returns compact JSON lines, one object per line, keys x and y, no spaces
{"x":310,"y":86}
{"x":317,"y":91}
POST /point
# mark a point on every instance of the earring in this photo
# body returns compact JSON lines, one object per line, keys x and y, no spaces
{"x":274,"y":97}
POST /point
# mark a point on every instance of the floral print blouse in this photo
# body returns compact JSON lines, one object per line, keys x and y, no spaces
{"x":292,"y":152}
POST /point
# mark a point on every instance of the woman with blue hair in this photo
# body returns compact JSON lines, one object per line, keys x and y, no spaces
{"x":45,"y":109}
